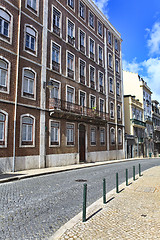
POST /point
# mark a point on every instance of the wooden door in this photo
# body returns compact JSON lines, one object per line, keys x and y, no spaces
{"x":82,"y":143}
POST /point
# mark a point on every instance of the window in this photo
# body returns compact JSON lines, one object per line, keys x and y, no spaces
{"x":70,"y":32}
{"x":70,"y":134}
{"x":91,"y":49}
{"x":100,"y":55}
{"x":109,"y":38}
{"x":71,"y":3}
{"x":119,"y":112}
{"x":70,"y":94}
{"x":116,"y":44}
{"x":30,"y":39}
{"x":92,"y":77}
{"x":32,"y":4}
{"x":55,"y":133}
{"x":82,"y":71}
{"x":93,"y":136}
{"x":28,"y":83}
{"x":56,"y":21}
{"x":4,"y":75}
{"x":102,"y":136}
{"x":118,"y":89}
{"x":111,"y":85}
{"x":110,"y":60}
{"x":101,"y":105}
{"x":81,"y":10}
{"x":112,"y":136}
{"x":27,"y":130}
{"x":119,"y":136}
{"x":101,"y":82}
{"x":55,"y":91}
{"x":2,"y":128}
{"x":111,"y":110}
{"x":93,"y":102}
{"x":82,"y":99}
{"x":5,"y":21}
{"x":82,"y":41}
{"x":55,"y":57}
{"x":100,"y":28}
{"x":91,"y":20}
{"x":70,"y":65}
{"x":117,"y":66}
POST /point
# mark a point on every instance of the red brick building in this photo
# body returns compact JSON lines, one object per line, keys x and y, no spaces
{"x":60,"y":85}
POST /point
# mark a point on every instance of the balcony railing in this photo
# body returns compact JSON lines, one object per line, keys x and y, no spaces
{"x":82,"y":48}
{"x":55,"y":66}
{"x":93,"y":84}
{"x":71,"y":40}
{"x":92,"y":55}
{"x":101,"y":88}
{"x":82,"y":79}
{"x":138,"y":122}
{"x":72,"y":108}
{"x":56,"y":30}
{"x":100,"y":62}
{"x":70,"y":73}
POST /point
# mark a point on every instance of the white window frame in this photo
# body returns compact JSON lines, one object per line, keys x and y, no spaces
{"x":99,"y":46}
{"x":69,"y":86}
{"x":119,"y":88}
{"x":110,"y":43}
{"x":70,"y":145}
{"x":109,"y":54}
{"x":93,"y":48}
{"x":35,"y":81}
{"x":93,"y":28}
{"x":33,"y":136}
{"x":103,"y":105}
{"x":102,"y":143}
{"x":59,"y":92}
{"x":68,"y":19}
{"x":116,"y":49}
{"x":52,"y":42}
{"x":91,"y":95}
{"x":73,"y":8}
{"x":99,"y":72}
{"x":98,"y":21}
{"x":93,"y":127}
{"x":9,"y":40}
{"x":5,"y":129}
{"x":67,"y":64}
{"x":8,"y":77}
{"x":79,"y":46}
{"x":117,"y":66}
{"x":60,"y":22}
{"x":30,"y":51}
{"x":120,"y":112}
{"x":111,"y":110}
{"x":119,"y":142}
{"x":112,"y":143}
{"x":59,"y":131}
{"x":94,"y":76}
{"x":85,"y":97}
{"x":80,"y":70}
{"x":84,"y":19}
{"x":34,"y":11}
{"x":111,"y":91}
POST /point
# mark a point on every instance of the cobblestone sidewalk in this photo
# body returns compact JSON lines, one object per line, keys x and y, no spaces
{"x":134,"y":213}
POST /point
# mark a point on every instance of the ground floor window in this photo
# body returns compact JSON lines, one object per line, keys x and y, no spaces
{"x":93,"y":136}
{"x":70,"y":134}
{"x":55,"y":133}
{"x":27,"y":130}
{"x":102,"y":136}
{"x":112,"y":136}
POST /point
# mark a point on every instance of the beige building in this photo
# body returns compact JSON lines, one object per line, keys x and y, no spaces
{"x":60,"y":84}
{"x":134,"y":127}
{"x":135,"y":85}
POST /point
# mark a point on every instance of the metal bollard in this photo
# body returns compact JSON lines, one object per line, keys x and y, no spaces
{"x":134,"y":178}
{"x":104,"y":191}
{"x":140,"y":170}
{"x":84,"y":201}
{"x":117,"y":190}
{"x":126,"y":177}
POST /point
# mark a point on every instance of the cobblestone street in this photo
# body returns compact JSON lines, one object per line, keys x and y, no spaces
{"x":132,"y":214}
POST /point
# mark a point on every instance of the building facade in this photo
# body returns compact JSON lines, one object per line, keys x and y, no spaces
{"x":60,"y":85}
{"x":156,"y":127}
{"x":143,"y":93}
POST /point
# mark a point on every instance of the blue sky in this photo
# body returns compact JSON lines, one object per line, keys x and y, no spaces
{"x":138,"y":21}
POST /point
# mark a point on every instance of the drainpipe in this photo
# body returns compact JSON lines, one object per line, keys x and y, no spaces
{"x":16,"y":93}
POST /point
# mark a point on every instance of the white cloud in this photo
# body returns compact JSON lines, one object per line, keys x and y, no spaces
{"x":154,"y":41}
{"x":102,"y":5}
{"x":132,"y":67}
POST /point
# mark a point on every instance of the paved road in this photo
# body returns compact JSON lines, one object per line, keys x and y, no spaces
{"x":35,"y":208}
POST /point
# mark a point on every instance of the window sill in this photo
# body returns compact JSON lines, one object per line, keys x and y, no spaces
{"x":30,"y":8}
{"x":29,"y":49}
{"x":5,"y":37}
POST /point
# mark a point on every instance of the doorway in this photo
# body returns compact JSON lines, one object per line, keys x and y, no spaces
{"x":82,"y":143}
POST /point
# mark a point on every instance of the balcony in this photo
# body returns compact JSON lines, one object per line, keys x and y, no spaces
{"x":70,"y":73}
{"x":70,"y":110}
{"x":71,"y":40}
{"x":56,"y":30}
{"x":93,"y":84}
{"x":82,"y":79}
{"x":100,"y":62}
{"x":101,"y":88}
{"x":92,"y":55}
{"x":148,"y":119}
{"x":82,"y":48}
{"x":138,"y":122}
{"x":55,"y":66}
